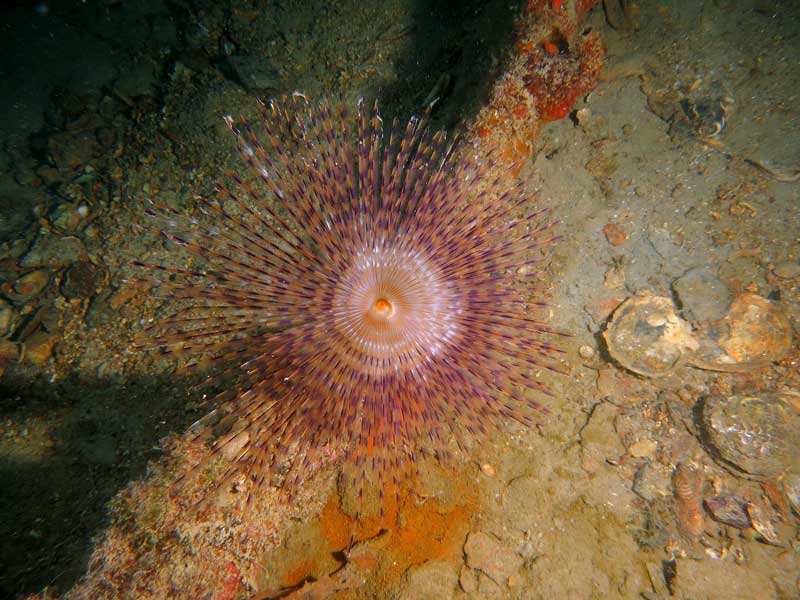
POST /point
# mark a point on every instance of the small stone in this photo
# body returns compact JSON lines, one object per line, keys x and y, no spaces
{"x":68,"y":217}
{"x":432,"y":580}
{"x":655,"y":571}
{"x":91,"y":232}
{"x":488,"y":470}
{"x":523,"y":493}
{"x":607,"y":383}
{"x":787,"y":270}
{"x":71,"y":149}
{"x":255,"y":72}
{"x":599,"y":440}
{"x":49,"y":175}
{"x":600,"y":311}
{"x":488,"y":555}
{"x":122,"y":296}
{"x":643,"y":449}
{"x":488,"y":589}
{"x":39,"y":347}
{"x":8,"y":350}
{"x":702,"y":295}
{"x":100,"y":313}
{"x":586,"y":352}
{"x":608,"y":492}
{"x":653,"y":481}
{"x":7,"y":318}
{"x":615,"y":234}
{"x":468,"y":580}
{"x":599,"y":429}
{"x":584,"y":118}
{"x":614,"y":277}
{"x":53,"y":251}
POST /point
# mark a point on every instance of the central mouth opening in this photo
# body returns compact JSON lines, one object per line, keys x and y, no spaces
{"x":394,"y":311}
{"x":383,"y":308}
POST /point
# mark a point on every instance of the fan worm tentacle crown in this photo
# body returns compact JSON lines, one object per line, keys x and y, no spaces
{"x":365,"y":289}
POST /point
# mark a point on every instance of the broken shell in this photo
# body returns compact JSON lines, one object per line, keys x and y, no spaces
{"x":761,"y":520}
{"x":729,"y":510}
{"x":39,"y":347}
{"x":705,"y":109}
{"x":27,"y":287}
{"x":688,"y":482}
{"x":646,"y":335}
{"x":615,"y":234}
{"x":755,"y":436}
{"x":787,"y":270}
{"x":753,"y":334}
{"x":7,"y":318}
{"x":792,"y":486}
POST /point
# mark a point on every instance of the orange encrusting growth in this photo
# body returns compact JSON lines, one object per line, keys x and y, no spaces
{"x":553,"y":64}
{"x":299,"y":572}
{"x":232,"y":586}
{"x":415,"y":531}
{"x":556,"y":79}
